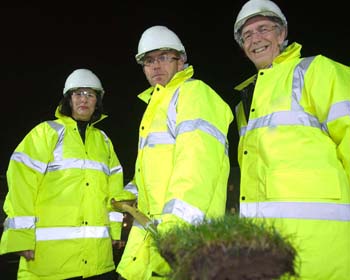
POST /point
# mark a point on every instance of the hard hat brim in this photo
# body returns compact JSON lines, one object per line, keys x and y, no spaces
{"x":239,"y":24}
{"x":139,"y":57}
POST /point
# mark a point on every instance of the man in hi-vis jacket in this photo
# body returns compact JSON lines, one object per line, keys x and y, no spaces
{"x":294,"y":147}
{"x":182,"y":166}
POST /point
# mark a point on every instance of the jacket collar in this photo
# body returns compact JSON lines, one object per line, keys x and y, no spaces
{"x":178,"y":78}
{"x":69,"y":120}
{"x":289,"y":53}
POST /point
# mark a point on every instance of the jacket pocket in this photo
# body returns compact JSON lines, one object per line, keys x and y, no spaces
{"x":303,"y":184}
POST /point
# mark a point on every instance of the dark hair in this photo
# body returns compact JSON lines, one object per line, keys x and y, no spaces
{"x":65,"y":107}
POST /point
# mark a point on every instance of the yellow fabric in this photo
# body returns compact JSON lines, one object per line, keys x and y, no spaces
{"x":194,"y":170}
{"x":71,"y":197}
{"x":294,"y":163}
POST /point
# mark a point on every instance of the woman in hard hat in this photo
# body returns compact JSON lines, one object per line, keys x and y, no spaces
{"x":182,"y":165}
{"x":294,"y":148}
{"x":61,"y":178}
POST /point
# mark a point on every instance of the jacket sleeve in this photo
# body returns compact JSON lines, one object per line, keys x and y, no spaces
{"x":25,"y":171}
{"x":331,"y":99}
{"x":117,"y":192}
{"x":197,"y":187}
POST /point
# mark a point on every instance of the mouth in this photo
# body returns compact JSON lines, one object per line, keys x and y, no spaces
{"x":260,"y":50}
{"x":156,"y":75}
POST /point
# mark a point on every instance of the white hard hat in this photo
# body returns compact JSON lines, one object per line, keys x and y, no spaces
{"x":158,"y":38}
{"x":83,"y":78}
{"x":254,"y":8}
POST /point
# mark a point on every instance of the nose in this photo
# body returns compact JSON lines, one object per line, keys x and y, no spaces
{"x":84,"y":98}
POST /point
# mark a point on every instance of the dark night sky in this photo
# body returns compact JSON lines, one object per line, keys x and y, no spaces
{"x":42,"y":43}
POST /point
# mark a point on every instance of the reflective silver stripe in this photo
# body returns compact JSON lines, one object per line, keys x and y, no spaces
{"x":132,"y":188}
{"x":106,"y":140}
{"x":116,"y":216}
{"x":242,"y":130}
{"x":282,"y":118}
{"x":142,"y":142}
{"x":77,"y":163}
{"x":61,"y":233}
{"x":31,"y":163}
{"x":296,"y":210}
{"x":58,"y":153}
{"x":172,"y":113}
{"x":298,"y":82}
{"x":25,"y":222}
{"x":105,"y":137}
{"x":184,"y":211}
{"x":297,"y":115}
{"x":192,"y":125}
{"x":59,"y":163}
{"x":155,"y":138}
{"x":338,"y":110}
{"x":186,"y":126}
{"x":83,"y":164}
{"x":116,"y":169}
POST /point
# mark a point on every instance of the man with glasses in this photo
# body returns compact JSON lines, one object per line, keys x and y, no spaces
{"x":294,"y":148}
{"x":61,"y":178}
{"x":182,"y":166}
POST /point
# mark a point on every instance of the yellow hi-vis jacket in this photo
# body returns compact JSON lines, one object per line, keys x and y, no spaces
{"x":58,"y":201}
{"x":294,"y":156}
{"x":182,"y":166}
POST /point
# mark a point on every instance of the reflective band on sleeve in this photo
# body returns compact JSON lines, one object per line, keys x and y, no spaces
{"x":20,"y":223}
{"x":116,"y":169}
{"x":192,"y":125}
{"x":296,"y":210}
{"x":130,"y":187}
{"x":156,"y":138}
{"x":339,"y":110}
{"x":31,"y":163}
{"x":184,"y":211}
{"x":116,"y":216}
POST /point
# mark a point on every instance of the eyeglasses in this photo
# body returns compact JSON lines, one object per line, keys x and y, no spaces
{"x":162,"y":59}
{"x":261,"y":30}
{"x":81,"y":93}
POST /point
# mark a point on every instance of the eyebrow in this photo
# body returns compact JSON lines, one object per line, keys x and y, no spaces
{"x":259,"y":26}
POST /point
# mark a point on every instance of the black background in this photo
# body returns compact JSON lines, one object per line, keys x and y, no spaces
{"x":42,"y":43}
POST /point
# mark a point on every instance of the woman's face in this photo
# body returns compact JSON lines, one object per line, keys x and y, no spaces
{"x":83,"y":103}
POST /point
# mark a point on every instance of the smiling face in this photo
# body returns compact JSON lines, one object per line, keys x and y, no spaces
{"x":262,"y":39}
{"x":83,"y":103}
